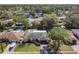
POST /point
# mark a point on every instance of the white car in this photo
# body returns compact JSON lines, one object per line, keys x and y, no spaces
{"x":12,"y":44}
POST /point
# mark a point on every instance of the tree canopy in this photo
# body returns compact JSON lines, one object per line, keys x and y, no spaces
{"x":48,"y":22}
{"x":22,"y":19}
{"x":58,"y":36}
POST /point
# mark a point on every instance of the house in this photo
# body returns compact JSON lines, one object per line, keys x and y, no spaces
{"x":26,"y":14}
{"x":60,"y":15}
{"x":39,"y":13}
{"x":66,"y":12}
{"x":36,"y":35}
{"x":15,"y":36}
{"x":36,"y":19}
{"x":75,"y":32}
{"x":18,"y":26}
{"x":35,"y":13}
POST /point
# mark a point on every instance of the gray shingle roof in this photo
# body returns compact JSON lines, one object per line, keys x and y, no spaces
{"x":36,"y":34}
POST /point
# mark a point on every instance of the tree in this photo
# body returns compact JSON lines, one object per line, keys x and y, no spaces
{"x":72,"y":22}
{"x":22,"y":19}
{"x":9,"y":24}
{"x":48,"y":22}
{"x":25,"y":21}
{"x":58,"y":36}
{"x":2,"y":27}
{"x":35,"y":24}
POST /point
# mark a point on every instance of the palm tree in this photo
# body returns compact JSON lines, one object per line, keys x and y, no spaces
{"x":58,"y":36}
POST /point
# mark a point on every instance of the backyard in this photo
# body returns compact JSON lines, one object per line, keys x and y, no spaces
{"x":28,"y":47}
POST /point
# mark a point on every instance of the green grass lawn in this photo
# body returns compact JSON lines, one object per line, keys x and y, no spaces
{"x":4,"y":46}
{"x":28,"y":47}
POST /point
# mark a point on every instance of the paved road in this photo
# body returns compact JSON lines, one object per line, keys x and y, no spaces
{"x":26,"y":52}
{"x":75,"y":47}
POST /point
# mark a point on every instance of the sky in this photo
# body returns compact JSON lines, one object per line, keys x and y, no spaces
{"x":39,"y":1}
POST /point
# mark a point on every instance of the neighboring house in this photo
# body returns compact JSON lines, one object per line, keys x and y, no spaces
{"x":60,"y":15}
{"x":75,"y":32}
{"x":18,"y":26}
{"x":66,"y":12}
{"x":26,"y":14}
{"x":12,"y":35}
{"x":75,"y":18}
{"x":75,"y":11}
{"x":36,"y":35}
{"x":35,"y":19}
{"x":34,"y":13}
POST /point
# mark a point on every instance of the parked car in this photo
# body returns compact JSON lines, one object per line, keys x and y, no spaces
{"x":11,"y":44}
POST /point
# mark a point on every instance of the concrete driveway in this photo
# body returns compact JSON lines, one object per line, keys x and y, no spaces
{"x":8,"y":47}
{"x":76,"y":48}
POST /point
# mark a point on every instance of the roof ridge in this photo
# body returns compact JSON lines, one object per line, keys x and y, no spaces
{"x":13,"y":34}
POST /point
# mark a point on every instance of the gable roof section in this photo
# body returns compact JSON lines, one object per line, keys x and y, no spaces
{"x":36,"y":34}
{"x":11,"y":35}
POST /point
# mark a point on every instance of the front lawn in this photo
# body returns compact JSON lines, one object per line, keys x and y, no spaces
{"x":28,"y":47}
